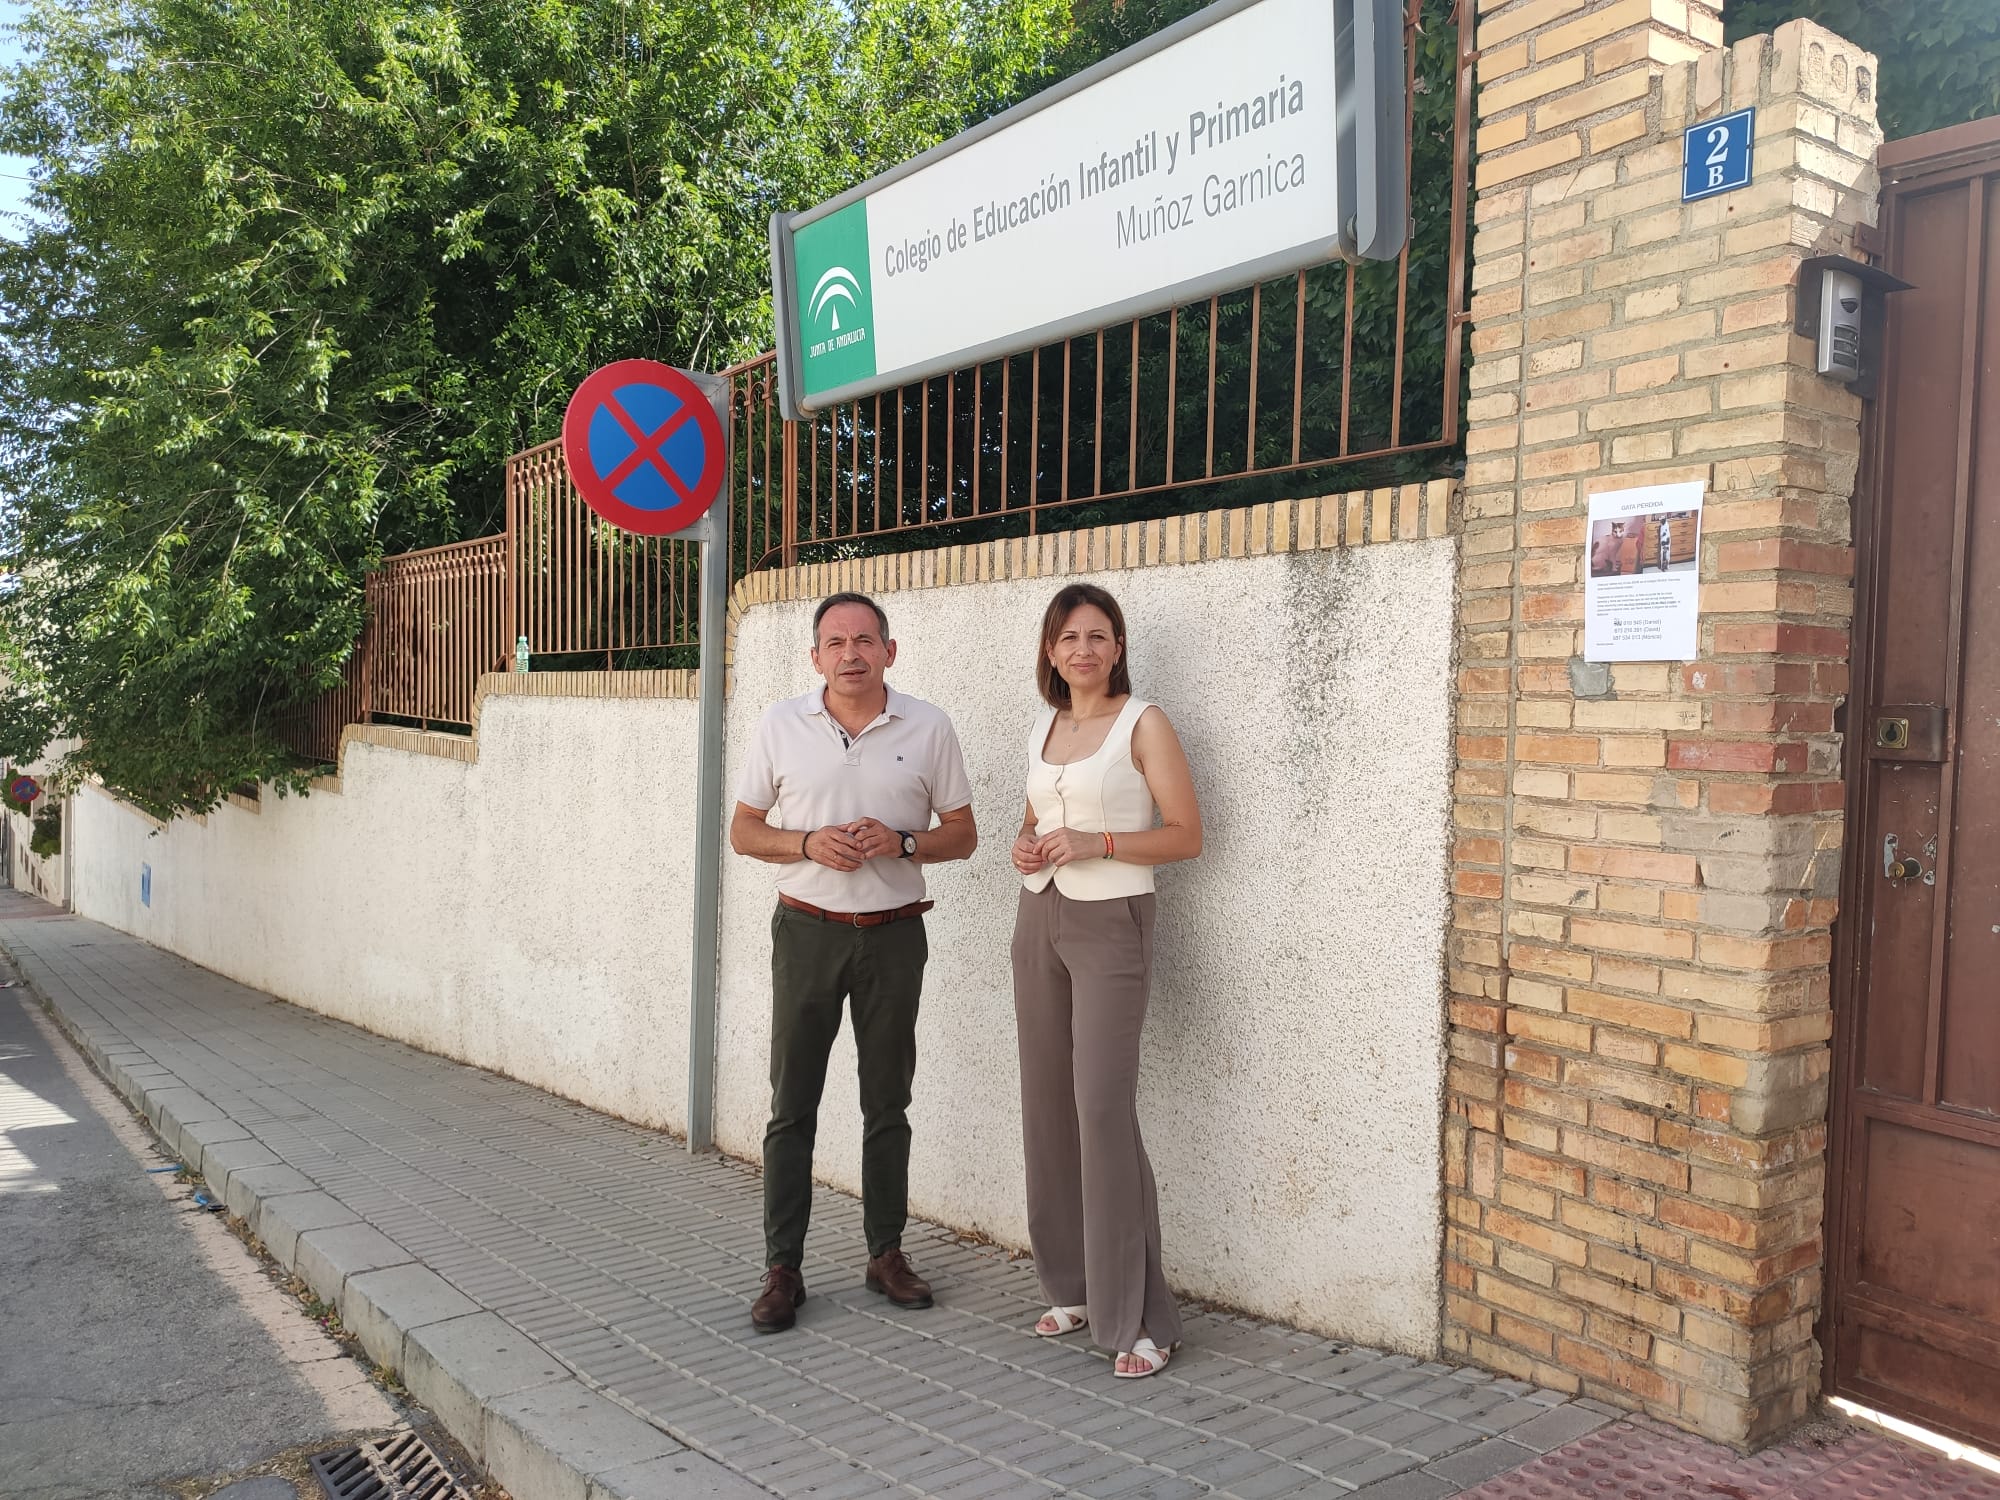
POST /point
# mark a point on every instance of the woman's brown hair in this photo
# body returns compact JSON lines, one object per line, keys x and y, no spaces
{"x":1054,"y":690}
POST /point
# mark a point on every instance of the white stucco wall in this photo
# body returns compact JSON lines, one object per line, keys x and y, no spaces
{"x":1293,"y":1064}
{"x":528,"y":913}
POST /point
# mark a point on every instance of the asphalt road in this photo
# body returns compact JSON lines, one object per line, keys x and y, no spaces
{"x":140,"y":1342}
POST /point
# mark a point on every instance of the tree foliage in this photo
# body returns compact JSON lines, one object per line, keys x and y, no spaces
{"x":1940,"y":58}
{"x":301,"y":273}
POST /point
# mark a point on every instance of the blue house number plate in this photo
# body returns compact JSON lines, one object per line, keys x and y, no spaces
{"x":1715,"y":155}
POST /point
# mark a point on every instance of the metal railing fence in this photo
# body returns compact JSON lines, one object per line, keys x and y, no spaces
{"x":583,"y":588}
{"x":437,"y":619}
{"x":1335,"y":365}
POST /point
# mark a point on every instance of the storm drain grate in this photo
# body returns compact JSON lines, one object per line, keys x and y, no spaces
{"x":399,"y":1467}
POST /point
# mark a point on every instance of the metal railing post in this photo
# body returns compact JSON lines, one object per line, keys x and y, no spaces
{"x":788,"y":507}
{"x":509,"y":586}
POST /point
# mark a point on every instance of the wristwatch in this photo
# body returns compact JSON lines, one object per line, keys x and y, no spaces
{"x":909,"y":845}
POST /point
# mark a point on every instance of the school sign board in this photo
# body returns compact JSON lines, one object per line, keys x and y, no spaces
{"x":1252,"y":139}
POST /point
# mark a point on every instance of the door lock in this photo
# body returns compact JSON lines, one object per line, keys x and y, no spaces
{"x":1895,"y":867}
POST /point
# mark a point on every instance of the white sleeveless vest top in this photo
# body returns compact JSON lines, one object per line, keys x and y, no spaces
{"x":1101,"y":793}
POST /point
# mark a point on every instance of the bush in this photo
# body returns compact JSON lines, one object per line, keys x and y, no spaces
{"x":46,"y":842}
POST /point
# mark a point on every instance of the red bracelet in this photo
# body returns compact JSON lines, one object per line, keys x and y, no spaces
{"x":1109,"y":847}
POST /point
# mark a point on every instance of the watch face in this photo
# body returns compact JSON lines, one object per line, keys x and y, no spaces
{"x":909,"y":844}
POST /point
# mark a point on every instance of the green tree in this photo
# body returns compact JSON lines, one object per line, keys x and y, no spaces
{"x":299,"y":276}
{"x":1940,"y":58}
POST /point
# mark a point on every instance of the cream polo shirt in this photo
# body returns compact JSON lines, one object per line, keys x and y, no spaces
{"x":902,"y":768}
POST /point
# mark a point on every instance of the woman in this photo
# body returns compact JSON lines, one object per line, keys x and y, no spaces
{"x":1101,"y":764}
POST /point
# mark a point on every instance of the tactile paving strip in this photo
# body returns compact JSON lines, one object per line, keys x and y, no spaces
{"x":1645,"y":1460}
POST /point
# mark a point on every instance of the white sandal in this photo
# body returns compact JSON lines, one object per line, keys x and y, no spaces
{"x":1155,"y":1357}
{"x":1067,"y":1319}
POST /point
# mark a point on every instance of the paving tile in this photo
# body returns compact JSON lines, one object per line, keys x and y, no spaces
{"x":909,"y":1448}
{"x":1508,"y":1415}
{"x":1459,"y":1408}
{"x":1367,"y":1470}
{"x":995,"y":1484}
{"x":1555,"y":1427}
{"x":1119,"y":1484}
{"x":1446,"y":1437}
{"x":1339,"y":1453}
{"x":1307,"y":1437}
{"x":1413,"y":1486}
{"x":1482,"y":1461}
{"x":1270,"y":1483}
{"x":1331,"y":1408}
{"x":501,"y":1240}
{"x":1386,"y":1383}
{"x":777,"y":1466}
{"x":1224,"y":1466}
{"x":1019,"y":1451}
{"x":967,"y":1470}
{"x":1209,"y":1411}
{"x":1088,"y":1467}
{"x":1400,"y":1430}
{"x":1191,"y":1449}
{"x":1047,"y":1462}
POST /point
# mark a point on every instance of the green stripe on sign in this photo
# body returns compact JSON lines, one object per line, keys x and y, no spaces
{"x":836,"y":300}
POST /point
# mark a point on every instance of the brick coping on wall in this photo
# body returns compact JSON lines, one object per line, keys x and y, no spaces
{"x":1357,"y":518}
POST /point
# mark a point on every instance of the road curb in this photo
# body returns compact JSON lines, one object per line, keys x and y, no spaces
{"x":540,"y":1432}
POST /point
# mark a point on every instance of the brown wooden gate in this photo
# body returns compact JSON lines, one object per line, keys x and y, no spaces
{"x":1913,"y":1308}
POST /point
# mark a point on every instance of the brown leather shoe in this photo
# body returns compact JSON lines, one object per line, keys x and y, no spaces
{"x":776,"y":1309}
{"x":891,"y":1274}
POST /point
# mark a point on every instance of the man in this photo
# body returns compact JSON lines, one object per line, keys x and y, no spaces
{"x":854,"y":770}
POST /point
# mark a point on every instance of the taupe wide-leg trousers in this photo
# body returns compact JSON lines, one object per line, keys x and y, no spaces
{"x":1082,"y":970}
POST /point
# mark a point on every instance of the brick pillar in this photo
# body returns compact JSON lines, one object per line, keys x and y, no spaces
{"x":1648,"y":854}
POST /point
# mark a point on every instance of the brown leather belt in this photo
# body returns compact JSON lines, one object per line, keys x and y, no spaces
{"x":856,"y":918}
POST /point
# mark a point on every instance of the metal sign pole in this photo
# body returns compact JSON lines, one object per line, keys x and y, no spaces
{"x":712,"y":531}
{"x":625,"y":443}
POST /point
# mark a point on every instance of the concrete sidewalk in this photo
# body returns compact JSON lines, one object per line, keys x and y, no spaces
{"x":570,"y":1295}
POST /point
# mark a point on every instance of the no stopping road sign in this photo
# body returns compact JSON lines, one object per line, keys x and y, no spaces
{"x":645,"y":447}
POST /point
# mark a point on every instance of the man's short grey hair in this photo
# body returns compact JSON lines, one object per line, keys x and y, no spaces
{"x":833,"y":600}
